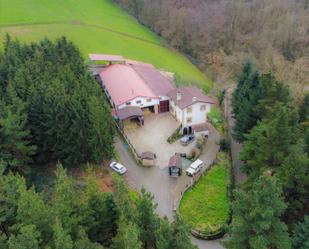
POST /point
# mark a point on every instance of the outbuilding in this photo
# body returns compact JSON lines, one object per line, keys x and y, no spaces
{"x":148,"y":158}
{"x":175,"y":165}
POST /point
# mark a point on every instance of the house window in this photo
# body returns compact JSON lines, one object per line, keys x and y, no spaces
{"x":189,"y":109}
{"x":189,"y":120}
{"x":138,"y":101}
{"x":149,"y":100}
{"x":203,"y":107}
{"x":128,"y":103}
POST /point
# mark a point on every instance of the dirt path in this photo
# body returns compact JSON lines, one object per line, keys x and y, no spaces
{"x":235,"y":147}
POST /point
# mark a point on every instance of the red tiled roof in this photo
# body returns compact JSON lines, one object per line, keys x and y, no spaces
{"x":124,"y":84}
{"x":189,"y":96}
{"x":159,"y":84}
{"x":175,"y":161}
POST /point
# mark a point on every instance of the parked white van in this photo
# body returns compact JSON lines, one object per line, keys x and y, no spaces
{"x":195,"y":167}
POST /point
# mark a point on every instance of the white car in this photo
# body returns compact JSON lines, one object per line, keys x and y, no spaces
{"x":119,"y":168}
{"x":195,"y":167}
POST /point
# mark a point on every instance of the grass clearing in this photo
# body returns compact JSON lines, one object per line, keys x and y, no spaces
{"x":95,"y":26}
{"x":205,"y":206}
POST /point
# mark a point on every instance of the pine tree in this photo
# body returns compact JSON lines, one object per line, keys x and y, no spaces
{"x":304,"y":109}
{"x":127,"y":236}
{"x":62,"y":240}
{"x":164,"y":235}
{"x":267,"y":144}
{"x":33,"y":211}
{"x":10,"y":187}
{"x":181,"y":234}
{"x":83,"y":242}
{"x":146,"y":219}
{"x":257,"y":217}
{"x":294,"y":176}
{"x":245,"y":98}
{"x":28,"y":237}
{"x":67,"y":205}
{"x":15,"y":147}
{"x":301,"y":234}
{"x":101,"y":214}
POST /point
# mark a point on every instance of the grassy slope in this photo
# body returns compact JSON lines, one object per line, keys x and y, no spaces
{"x":96,"y":26}
{"x":205,"y":206}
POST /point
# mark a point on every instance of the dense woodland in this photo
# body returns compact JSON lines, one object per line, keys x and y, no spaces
{"x":51,"y":107}
{"x":272,"y":205}
{"x":219,"y":35}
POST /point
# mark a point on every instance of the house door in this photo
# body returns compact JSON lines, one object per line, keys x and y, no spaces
{"x":164,"y":106}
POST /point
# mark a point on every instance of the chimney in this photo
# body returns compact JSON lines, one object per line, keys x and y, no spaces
{"x":178,"y":96}
{"x":194,"y":99}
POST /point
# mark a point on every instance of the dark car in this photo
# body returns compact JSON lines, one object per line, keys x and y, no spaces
{"x":185,"y":140}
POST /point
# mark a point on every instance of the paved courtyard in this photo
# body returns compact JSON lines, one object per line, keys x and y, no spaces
{"x":153,"y":137}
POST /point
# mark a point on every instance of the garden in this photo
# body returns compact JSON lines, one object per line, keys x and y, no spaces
{"x":205,"y":206}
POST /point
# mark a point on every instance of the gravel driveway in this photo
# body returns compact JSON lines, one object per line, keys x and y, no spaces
{"x":166,"y":190}
{"x":152,"y":136}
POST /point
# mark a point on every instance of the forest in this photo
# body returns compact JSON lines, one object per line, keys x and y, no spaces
{"x":271,"y":208}
{"x":53,"y":111}
{"x":219,"y":35}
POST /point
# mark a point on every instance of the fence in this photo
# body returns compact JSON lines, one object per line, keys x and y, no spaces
{"x":211,"y":235}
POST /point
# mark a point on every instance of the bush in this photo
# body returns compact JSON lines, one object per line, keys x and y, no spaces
{"x":225,"y":144}
{"x":216,"y":118}
{"x":175,"y":136}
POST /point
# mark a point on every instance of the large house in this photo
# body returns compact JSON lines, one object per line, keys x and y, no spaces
{"x":130,"y":85}
{"x":190,"y":107}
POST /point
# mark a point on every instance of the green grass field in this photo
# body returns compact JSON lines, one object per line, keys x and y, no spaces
{"x":95,"y":26}
{"x":205,"y":206}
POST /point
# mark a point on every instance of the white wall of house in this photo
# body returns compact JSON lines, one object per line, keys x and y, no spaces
{"x":140,"y":102}
{"x":192,"y":115}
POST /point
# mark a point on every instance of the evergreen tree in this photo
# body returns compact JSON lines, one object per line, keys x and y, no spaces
{"x":33,"y":211}
{"x":15,"y":147}
{"x":101,"y":214}
{"x":301,"y":234}
{"x":307,"y":141}
{"x":267,"y":144}
{"x":256,"y":217}
{"x":127,"y":236}
{"x":10,"y":187}
{"x":28,"y":237}
{"x":181,"y":234}
{"x":304,"y":109}
{"x":294,"y":176}
{"x":146,"y":219}
{"x":245,"y":98}
{"x":3,"y":241}
{"x":62,"y":240}
{"x":83,"y":242}
{"x":164,"y":235}
{"x":67,"y":207}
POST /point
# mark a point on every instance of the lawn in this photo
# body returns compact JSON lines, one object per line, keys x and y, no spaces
{"x":95,"y":26}
{"x":205,"y":206}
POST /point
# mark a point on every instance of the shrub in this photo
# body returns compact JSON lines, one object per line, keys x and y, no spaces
{"x":225,"y":144}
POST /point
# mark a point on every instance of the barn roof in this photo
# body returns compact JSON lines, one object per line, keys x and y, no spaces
{"x":124,"y":84}
{"x":159,"y":84}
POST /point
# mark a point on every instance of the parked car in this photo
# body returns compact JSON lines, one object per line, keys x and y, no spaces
{"x":185,"y":140}
{"x":119,"y":168}
{"x":195,"y":167}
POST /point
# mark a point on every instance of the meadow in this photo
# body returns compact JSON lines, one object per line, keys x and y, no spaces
{"x":95,"y":26}
{"x":205,"y":207}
